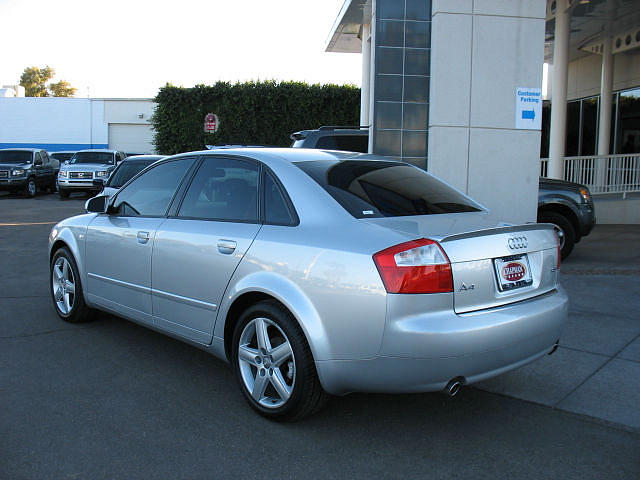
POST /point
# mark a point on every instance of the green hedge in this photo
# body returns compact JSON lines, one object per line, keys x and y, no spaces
{"x":252,"y":113}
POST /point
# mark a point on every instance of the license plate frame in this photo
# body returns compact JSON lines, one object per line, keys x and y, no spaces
{"x":505,"y":284}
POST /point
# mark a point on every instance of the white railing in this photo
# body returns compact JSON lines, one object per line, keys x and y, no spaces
{"x":602,"y":173}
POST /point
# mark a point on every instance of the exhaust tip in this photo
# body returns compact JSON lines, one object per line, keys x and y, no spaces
{"x":454,"y":386}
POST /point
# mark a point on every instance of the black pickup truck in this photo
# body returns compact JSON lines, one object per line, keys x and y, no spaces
{"x":27,"y":170}
{"x":567,"y":205}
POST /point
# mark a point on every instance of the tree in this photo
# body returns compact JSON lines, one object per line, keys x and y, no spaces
{"x":62,"y":89}
{"x":34,"y":80}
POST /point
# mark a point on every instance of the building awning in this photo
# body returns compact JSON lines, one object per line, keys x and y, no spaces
{"x":345,"y":33}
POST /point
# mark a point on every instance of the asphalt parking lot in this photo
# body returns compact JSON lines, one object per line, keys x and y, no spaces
{"x":110,"y":399}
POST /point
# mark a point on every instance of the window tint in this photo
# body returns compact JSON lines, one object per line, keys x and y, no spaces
{"x":126,"y":171}
{"x":386,"y":189}
{"x":349,"y":143}
{"x":223,"y":189}
{"x":276,"y":211}
{"x":151,"y":193}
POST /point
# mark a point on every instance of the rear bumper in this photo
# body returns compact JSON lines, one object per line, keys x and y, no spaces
{"x":423,"y":353}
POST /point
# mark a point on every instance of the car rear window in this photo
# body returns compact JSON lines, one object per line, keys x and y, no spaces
{"x":369,"y":189}
{"x":349,"y":143}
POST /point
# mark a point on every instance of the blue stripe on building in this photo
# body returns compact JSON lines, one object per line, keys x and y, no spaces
{"x":55,"y":147}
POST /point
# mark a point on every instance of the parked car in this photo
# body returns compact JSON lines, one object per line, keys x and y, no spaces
{"x":569,"y":207}
{"x":77,"y":174}
{"x":62,"y":156}
{"x":566,"y":205}
{"x":314,"y":273}
{"x":26,"y":170}
{"x":125,"y":171}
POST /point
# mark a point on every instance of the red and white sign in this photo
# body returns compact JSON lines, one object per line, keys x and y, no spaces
{"x":513,"y":271}
{"x":211,"y":123}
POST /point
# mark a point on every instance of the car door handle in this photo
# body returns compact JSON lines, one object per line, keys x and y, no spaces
{"x":143,"y":237}
{"x":226,"y":247}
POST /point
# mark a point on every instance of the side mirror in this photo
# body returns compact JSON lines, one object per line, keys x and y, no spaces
{"x":97,"y":204}
{"x":98,"y":182}
{"x":38,"y":162}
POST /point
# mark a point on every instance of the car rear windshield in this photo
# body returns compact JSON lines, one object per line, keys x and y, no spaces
{"x":92,"y":157}
{"x":62,"y":156}
{"x":126,"y":171}
{"x":369,"y":189}
{"x":15,"y":156}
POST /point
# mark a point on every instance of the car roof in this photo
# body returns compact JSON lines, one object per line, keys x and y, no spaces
{"x":144,"y":157}
{"x":63,"y":151}
{"x":97,"y":150}
{"x":21,"y":149}
{"x":288,"y":155}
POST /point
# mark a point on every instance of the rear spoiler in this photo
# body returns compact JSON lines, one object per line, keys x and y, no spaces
{"x":507,"y":229}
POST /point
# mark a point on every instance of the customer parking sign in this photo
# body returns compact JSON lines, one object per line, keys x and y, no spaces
{"x":528,"y":108}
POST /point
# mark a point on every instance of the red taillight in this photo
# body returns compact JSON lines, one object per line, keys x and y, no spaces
{"x":418,"y":266}
{"x":559,"y":255}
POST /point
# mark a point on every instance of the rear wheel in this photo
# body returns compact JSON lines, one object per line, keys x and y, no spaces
{"x":66,"y":289}
{"x":274,"y":365}
{"x":564,"y":229}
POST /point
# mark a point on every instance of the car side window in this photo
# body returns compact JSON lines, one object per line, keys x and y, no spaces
{"x":224,"y":189}
{"x":38,"y":157}
{"x":276,"y":210}
{"x":151,"y":193}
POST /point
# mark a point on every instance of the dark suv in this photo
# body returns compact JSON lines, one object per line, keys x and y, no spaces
{"x":567,"y":205}
{"x":26,"y":170}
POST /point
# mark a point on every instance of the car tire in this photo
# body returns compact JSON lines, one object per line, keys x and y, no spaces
{"x":64,"y":194}
{"x":564,"y":228}
{"x":66,"y":288}
{"x":280,"y":382}
{"x":31,"y":188}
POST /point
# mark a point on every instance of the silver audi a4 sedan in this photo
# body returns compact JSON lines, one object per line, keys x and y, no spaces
{"x":314,"y":273}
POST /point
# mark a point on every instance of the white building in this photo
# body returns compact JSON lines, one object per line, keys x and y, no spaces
{"x":440,"y":83}
{"x":57,"y":124}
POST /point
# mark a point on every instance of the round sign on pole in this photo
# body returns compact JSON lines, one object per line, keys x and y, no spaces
{"x":211,"y":123}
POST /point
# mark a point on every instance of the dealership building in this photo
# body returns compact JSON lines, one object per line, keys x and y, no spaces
{"x":57,"y":124}
{"x":456,"y":87}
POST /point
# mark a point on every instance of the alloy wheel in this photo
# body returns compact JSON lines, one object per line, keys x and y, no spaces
{"x":31,"y":187}
{"x":64,"y":286}
{"x":266,"y":363}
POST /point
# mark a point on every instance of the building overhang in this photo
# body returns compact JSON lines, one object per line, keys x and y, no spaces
{"x":346,"y":33}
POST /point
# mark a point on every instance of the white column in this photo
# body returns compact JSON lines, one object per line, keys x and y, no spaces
{"x":559,"y":89}
{"x":606,"y":87}
{"x":366,"y":75}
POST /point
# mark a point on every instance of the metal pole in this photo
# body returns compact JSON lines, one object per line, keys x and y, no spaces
{"x":606,"y":87}
{"x":559,"y":89}
{"x":366,"y":75}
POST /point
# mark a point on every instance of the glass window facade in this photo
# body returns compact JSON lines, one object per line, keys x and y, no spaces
{"x":401,"y":87}
{"x":582,"y":125}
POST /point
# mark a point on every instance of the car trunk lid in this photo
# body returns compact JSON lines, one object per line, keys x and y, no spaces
{"x":492,"y":264}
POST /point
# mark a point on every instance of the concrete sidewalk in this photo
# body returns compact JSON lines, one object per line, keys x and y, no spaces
{"x":596,"y":370}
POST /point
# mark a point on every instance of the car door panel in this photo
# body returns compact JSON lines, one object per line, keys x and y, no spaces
{"x":193,"y":261}
{"x":119,"y":264}
{"x":197,"y":250}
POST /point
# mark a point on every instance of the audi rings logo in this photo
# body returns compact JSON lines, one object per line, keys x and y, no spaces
{"x":516,"y":243}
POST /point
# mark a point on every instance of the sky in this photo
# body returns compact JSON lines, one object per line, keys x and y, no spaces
{"x":131,"y":48}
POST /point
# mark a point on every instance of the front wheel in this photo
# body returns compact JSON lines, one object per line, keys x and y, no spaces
{"x":274,"y":365}
{"x":31,"y":188}
{"x":66,"y":289}
{"x":564,"y":229}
